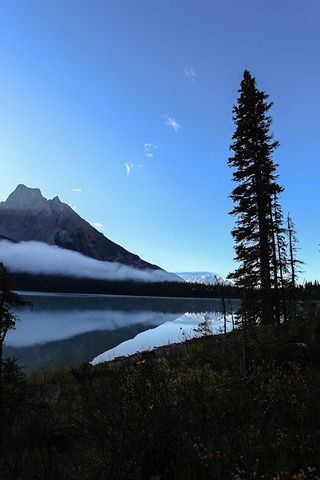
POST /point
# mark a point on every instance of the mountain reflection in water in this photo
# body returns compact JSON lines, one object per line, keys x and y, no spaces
{"x":71,"y":329}
{"x":175,"y":331}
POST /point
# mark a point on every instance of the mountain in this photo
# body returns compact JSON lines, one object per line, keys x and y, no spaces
{"x":205,"y":278}
{"x":27,"y":216}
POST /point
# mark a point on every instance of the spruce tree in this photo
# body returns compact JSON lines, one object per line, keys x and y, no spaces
{"x":8,"y":301}
{"x":294,"y":263}
{"x":255,"y":200}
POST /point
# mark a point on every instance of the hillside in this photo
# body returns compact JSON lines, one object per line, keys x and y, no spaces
{"x":26,"y":215}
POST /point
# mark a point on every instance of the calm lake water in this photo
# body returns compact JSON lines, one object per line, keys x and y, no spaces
{"x":71,"y":329}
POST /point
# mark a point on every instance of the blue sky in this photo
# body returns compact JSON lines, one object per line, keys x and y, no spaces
{"x":123,"y":109}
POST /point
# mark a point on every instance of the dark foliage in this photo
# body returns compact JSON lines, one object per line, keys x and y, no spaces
{"x":259,"y":228}
{"x":176,"y":413}
{"x":55,"y":283}
{"x":8,"y":300}
{"x":309,"y":290}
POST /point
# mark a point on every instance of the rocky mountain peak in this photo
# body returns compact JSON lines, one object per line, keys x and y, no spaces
{"x":56,"y":206}
{"x":26,"y":215}
{"x":25,"y":198}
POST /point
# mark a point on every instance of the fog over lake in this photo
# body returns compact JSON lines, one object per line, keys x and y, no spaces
{"x":71,"y":329}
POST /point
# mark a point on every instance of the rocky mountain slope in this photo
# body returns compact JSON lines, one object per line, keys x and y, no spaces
{"x":26,"y":215}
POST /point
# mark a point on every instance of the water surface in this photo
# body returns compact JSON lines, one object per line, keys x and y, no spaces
{"x":76,"y":328}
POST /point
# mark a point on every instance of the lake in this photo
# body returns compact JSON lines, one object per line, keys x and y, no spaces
{"x":73,"y":328}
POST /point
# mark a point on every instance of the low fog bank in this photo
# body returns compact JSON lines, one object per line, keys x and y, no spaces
{"x":40,"y":258}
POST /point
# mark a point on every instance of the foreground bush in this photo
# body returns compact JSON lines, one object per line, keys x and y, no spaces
{"x":177,"y":414}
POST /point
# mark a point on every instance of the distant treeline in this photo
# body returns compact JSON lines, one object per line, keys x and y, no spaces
{"x":309,"y":291}
{"x":68,"y":284}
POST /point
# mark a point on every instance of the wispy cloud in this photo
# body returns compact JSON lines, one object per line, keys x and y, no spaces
{"x":129,"y":167}
{"x":78,"y":190}
{"x":149,"y":149}
{"x":171,"y":122}
{"x":97,"y":225}
{"x":190,"y":73}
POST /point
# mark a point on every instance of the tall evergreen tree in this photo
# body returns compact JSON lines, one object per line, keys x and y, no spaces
{"x":255,"y":200}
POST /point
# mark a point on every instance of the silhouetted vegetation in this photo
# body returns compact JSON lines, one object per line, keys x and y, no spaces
{"x":8,"y":300}
{"x":309,"y":290}
{"x":265,"y":247}
{"x":176,"y":413}
{"x":56,"y":283}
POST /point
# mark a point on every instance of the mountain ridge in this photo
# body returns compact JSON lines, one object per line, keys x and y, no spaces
{"x":28,"y":216}
{"x":205,"y":278}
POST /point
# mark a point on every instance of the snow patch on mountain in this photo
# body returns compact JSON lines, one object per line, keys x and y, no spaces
{"x":205,"y":278}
